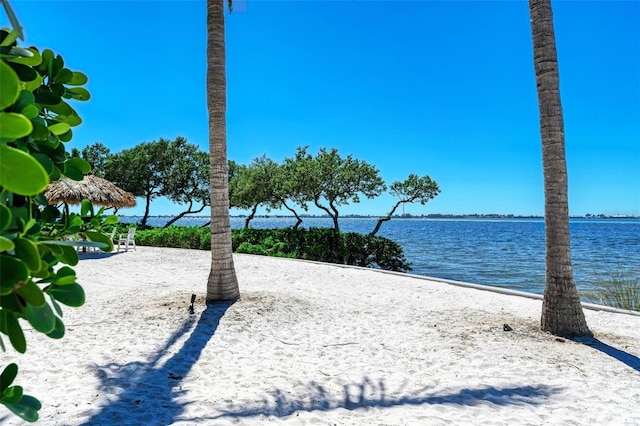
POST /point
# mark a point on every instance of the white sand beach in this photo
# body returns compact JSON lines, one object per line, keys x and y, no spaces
{"x":317,"y":344}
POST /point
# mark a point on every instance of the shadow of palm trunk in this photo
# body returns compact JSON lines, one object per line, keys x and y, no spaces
{"x":624,"y":357}
{"x":147,"y":392}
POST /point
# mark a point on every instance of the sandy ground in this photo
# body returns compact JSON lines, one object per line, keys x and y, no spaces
{"x":317,"y":344}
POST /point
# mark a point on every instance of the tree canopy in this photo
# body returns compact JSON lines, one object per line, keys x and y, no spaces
{"x":174,"y":169}
{"x":331,"y":181}
{"x":411,"y":190}
{"x":326,"y":180}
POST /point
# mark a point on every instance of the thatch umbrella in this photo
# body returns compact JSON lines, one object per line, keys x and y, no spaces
{"x":97,"y":190}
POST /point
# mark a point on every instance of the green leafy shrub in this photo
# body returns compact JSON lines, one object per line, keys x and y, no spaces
{"x":319,"y":244}
{"x":35,"y":237}
{"x":190,"y":237}
{"x":324,"y":245}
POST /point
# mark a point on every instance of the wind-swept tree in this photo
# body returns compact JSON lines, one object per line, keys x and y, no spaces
{"x":264,"y":182}
{"x":223,"y":282}
{"x":561,"y":309}
{"x":142,"y":170}
{"x":331,"y":181}
{"x":413,"y":189}
{"x":253,"y":185}
{"x":188,"y":179}
{"x":287,"y":189}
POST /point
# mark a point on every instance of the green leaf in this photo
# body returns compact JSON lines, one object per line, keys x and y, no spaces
{"x":18,"y":213}
{"x":25,"y":98}
{"x":12,"y":395}
{"x":6,"y":244}
{"x":73,"y":173}
{"x":5,"y":217}
{"x":110,"y":220}
{"x":10,"y":303}
{"x":99,"y":237}
{"x":30,"y":111}
{"x":50,"y":213}
{"x":8,"y":376}
{"x":66,"y":137}
{"x":14,"y":272}
{"x":41,"y":318}
{"x":64,"y":76}
{"x":56,"y":306}
{"x":58,"y":64}
{"x":79,"y":164}
{"x":86,"y":207}
{"x":27,"y":408}
{"x":70,"y":295}
{"x":58,"y":329}
{"x":28,"y":252}
{"x":9,"y":86}
{"x":62,"y":108}
{"x":32,"y":86}
{"x":78,"y":79}
{"x":40,"y":131}
{"x":47,"y":97}
{"x":16,"y":336}
{"x":69,"y":255}
{"x":56,"y":175}
{"x":65,"y":275}
{"x":78,"y":93}
{"x":65,"y":280}
{"x":54,"y":246}
{"x":65,"y":271}
{"x":59,"y":128}
{"x":14,"y":126}
{"x":29,"y":56}
{"x":32,"y":294}
{"x":20,"y":172}
{"x":45,"y":161}
{"x":25,"y":73}
{"x":72,"y":120}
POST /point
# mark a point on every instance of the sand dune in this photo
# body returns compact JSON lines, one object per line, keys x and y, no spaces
{"x":312,"y":343}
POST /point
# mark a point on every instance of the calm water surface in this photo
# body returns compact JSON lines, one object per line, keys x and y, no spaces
{"x":502,"y":252}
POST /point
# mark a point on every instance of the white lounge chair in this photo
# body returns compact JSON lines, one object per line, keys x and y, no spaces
{"x":127,"y":240}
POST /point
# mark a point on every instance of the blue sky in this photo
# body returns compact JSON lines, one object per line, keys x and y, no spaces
{"x":443,"y":88}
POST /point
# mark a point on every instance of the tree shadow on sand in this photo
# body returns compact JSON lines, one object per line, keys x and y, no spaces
{"x":370,"y":394}
{"x":622,"y":356}
{"x":146,"y":392}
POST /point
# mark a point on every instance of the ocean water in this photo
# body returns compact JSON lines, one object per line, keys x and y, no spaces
{"x":498,"y":252}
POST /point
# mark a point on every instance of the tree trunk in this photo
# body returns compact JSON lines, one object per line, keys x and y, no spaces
{"x":334,"y":217}
{"x":250,"y":217}
{"x":183,"y":214}
{"x":384,"y":219}
{"x":223,"y":282}
{"x":562,"y":313}
{"x":143,"y":222}
{"x":295,"y":213}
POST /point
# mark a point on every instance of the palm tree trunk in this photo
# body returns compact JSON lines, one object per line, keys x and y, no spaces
{"x":223,"y":282}
{"x":561,"y":309}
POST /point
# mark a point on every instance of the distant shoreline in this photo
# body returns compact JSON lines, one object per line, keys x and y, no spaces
{"x":408,"y":216}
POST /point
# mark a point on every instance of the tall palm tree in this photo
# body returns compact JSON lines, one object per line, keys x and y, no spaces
{"x":561,"y":309}
{"x":223,"y":282}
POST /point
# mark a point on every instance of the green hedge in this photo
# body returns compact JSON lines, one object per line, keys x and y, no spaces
{"x":320,"y":244}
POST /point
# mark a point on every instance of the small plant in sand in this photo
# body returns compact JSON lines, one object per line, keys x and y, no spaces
{"x":35,"y":121}
{"x":618,"y":287}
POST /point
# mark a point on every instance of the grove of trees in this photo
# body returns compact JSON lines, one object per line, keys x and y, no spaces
{"x":179,"y":171}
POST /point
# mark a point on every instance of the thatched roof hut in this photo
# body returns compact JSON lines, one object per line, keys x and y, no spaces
{"x":97,"y":190}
